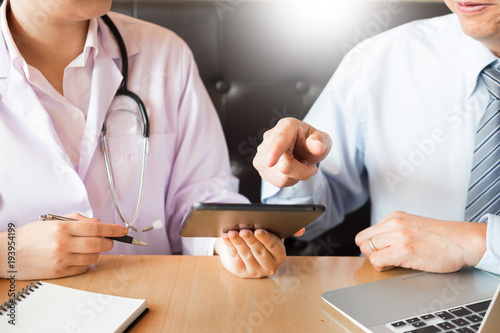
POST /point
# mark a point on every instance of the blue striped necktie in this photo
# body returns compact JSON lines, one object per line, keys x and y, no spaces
{"x":484,"y":191}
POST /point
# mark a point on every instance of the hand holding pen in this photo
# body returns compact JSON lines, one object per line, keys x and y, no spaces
{"x":47,"y":250}
{"x":124,"y":239}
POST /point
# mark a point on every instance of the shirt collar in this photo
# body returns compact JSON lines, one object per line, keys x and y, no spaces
{"x":91,"y":43}
{"x":474,"y":57}
{"x":108,"y":41}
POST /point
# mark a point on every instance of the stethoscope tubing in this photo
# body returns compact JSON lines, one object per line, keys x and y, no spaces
{"x":123,"y":91}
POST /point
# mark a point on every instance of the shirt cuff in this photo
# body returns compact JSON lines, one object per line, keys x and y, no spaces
{"x":198,"y":246}
{"x":491,"y":259}
{"x":300,"y":193}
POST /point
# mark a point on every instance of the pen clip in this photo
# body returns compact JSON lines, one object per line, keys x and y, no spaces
{"x":49,"y":217}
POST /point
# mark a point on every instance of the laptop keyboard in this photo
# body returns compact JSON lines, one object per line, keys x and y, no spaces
{"x":462,"y":319}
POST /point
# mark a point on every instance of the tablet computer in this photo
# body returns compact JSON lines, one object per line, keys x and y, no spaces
{"x":214,"y":219}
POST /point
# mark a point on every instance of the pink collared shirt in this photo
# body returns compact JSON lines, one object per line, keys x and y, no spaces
{"x":51,"y":154}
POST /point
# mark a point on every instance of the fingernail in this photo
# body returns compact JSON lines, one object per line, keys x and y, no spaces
{"x":124,"y":231}
{"x":320,"y":142}
{"x":260,"y":233}
{"x":245,"y":235}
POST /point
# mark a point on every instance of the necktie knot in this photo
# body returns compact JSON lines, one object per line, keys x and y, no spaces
{"x":491,"y":77}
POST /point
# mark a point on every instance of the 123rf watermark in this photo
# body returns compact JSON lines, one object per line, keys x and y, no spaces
{"x":10,"y":310}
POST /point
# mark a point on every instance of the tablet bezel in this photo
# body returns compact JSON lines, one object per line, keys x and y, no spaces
{"x":213,"y":219}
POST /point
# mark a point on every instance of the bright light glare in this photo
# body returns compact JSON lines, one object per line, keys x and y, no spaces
{"x":318,"y":16}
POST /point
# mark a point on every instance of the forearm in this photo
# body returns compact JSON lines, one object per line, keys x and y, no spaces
{"x":312,"y":191}
{"x":319,"y":189}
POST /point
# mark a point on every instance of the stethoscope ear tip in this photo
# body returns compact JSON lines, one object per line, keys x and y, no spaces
{"x":157,"y":224}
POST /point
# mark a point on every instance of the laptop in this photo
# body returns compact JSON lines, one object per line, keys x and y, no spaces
{"x":464,"y":301}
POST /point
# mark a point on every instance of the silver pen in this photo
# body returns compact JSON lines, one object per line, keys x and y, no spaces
{"x":124,"y":239}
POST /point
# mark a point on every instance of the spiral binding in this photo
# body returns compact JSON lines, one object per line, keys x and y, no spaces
{"x":4,"y":308}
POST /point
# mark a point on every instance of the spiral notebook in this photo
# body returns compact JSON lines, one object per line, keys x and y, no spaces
{"x":46,"y":307}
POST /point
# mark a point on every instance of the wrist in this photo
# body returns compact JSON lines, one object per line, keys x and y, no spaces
{"x":474,"y":242}
{"x":218,"y":243}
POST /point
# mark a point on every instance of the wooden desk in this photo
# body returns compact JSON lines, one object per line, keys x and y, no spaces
{"x":196,"y":294}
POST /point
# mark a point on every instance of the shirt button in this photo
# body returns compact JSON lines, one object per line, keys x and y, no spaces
{"x":75,"y":115}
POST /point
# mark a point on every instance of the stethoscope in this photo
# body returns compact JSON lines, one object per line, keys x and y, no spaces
{"x":123,"y":91}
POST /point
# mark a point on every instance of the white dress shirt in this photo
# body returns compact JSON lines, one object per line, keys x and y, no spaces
{"x":51,"y":154}
{"x":402,"y":110}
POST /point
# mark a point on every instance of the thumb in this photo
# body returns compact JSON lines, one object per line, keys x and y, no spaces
{"x":319,"y":145}
{"x":80,"y":217}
